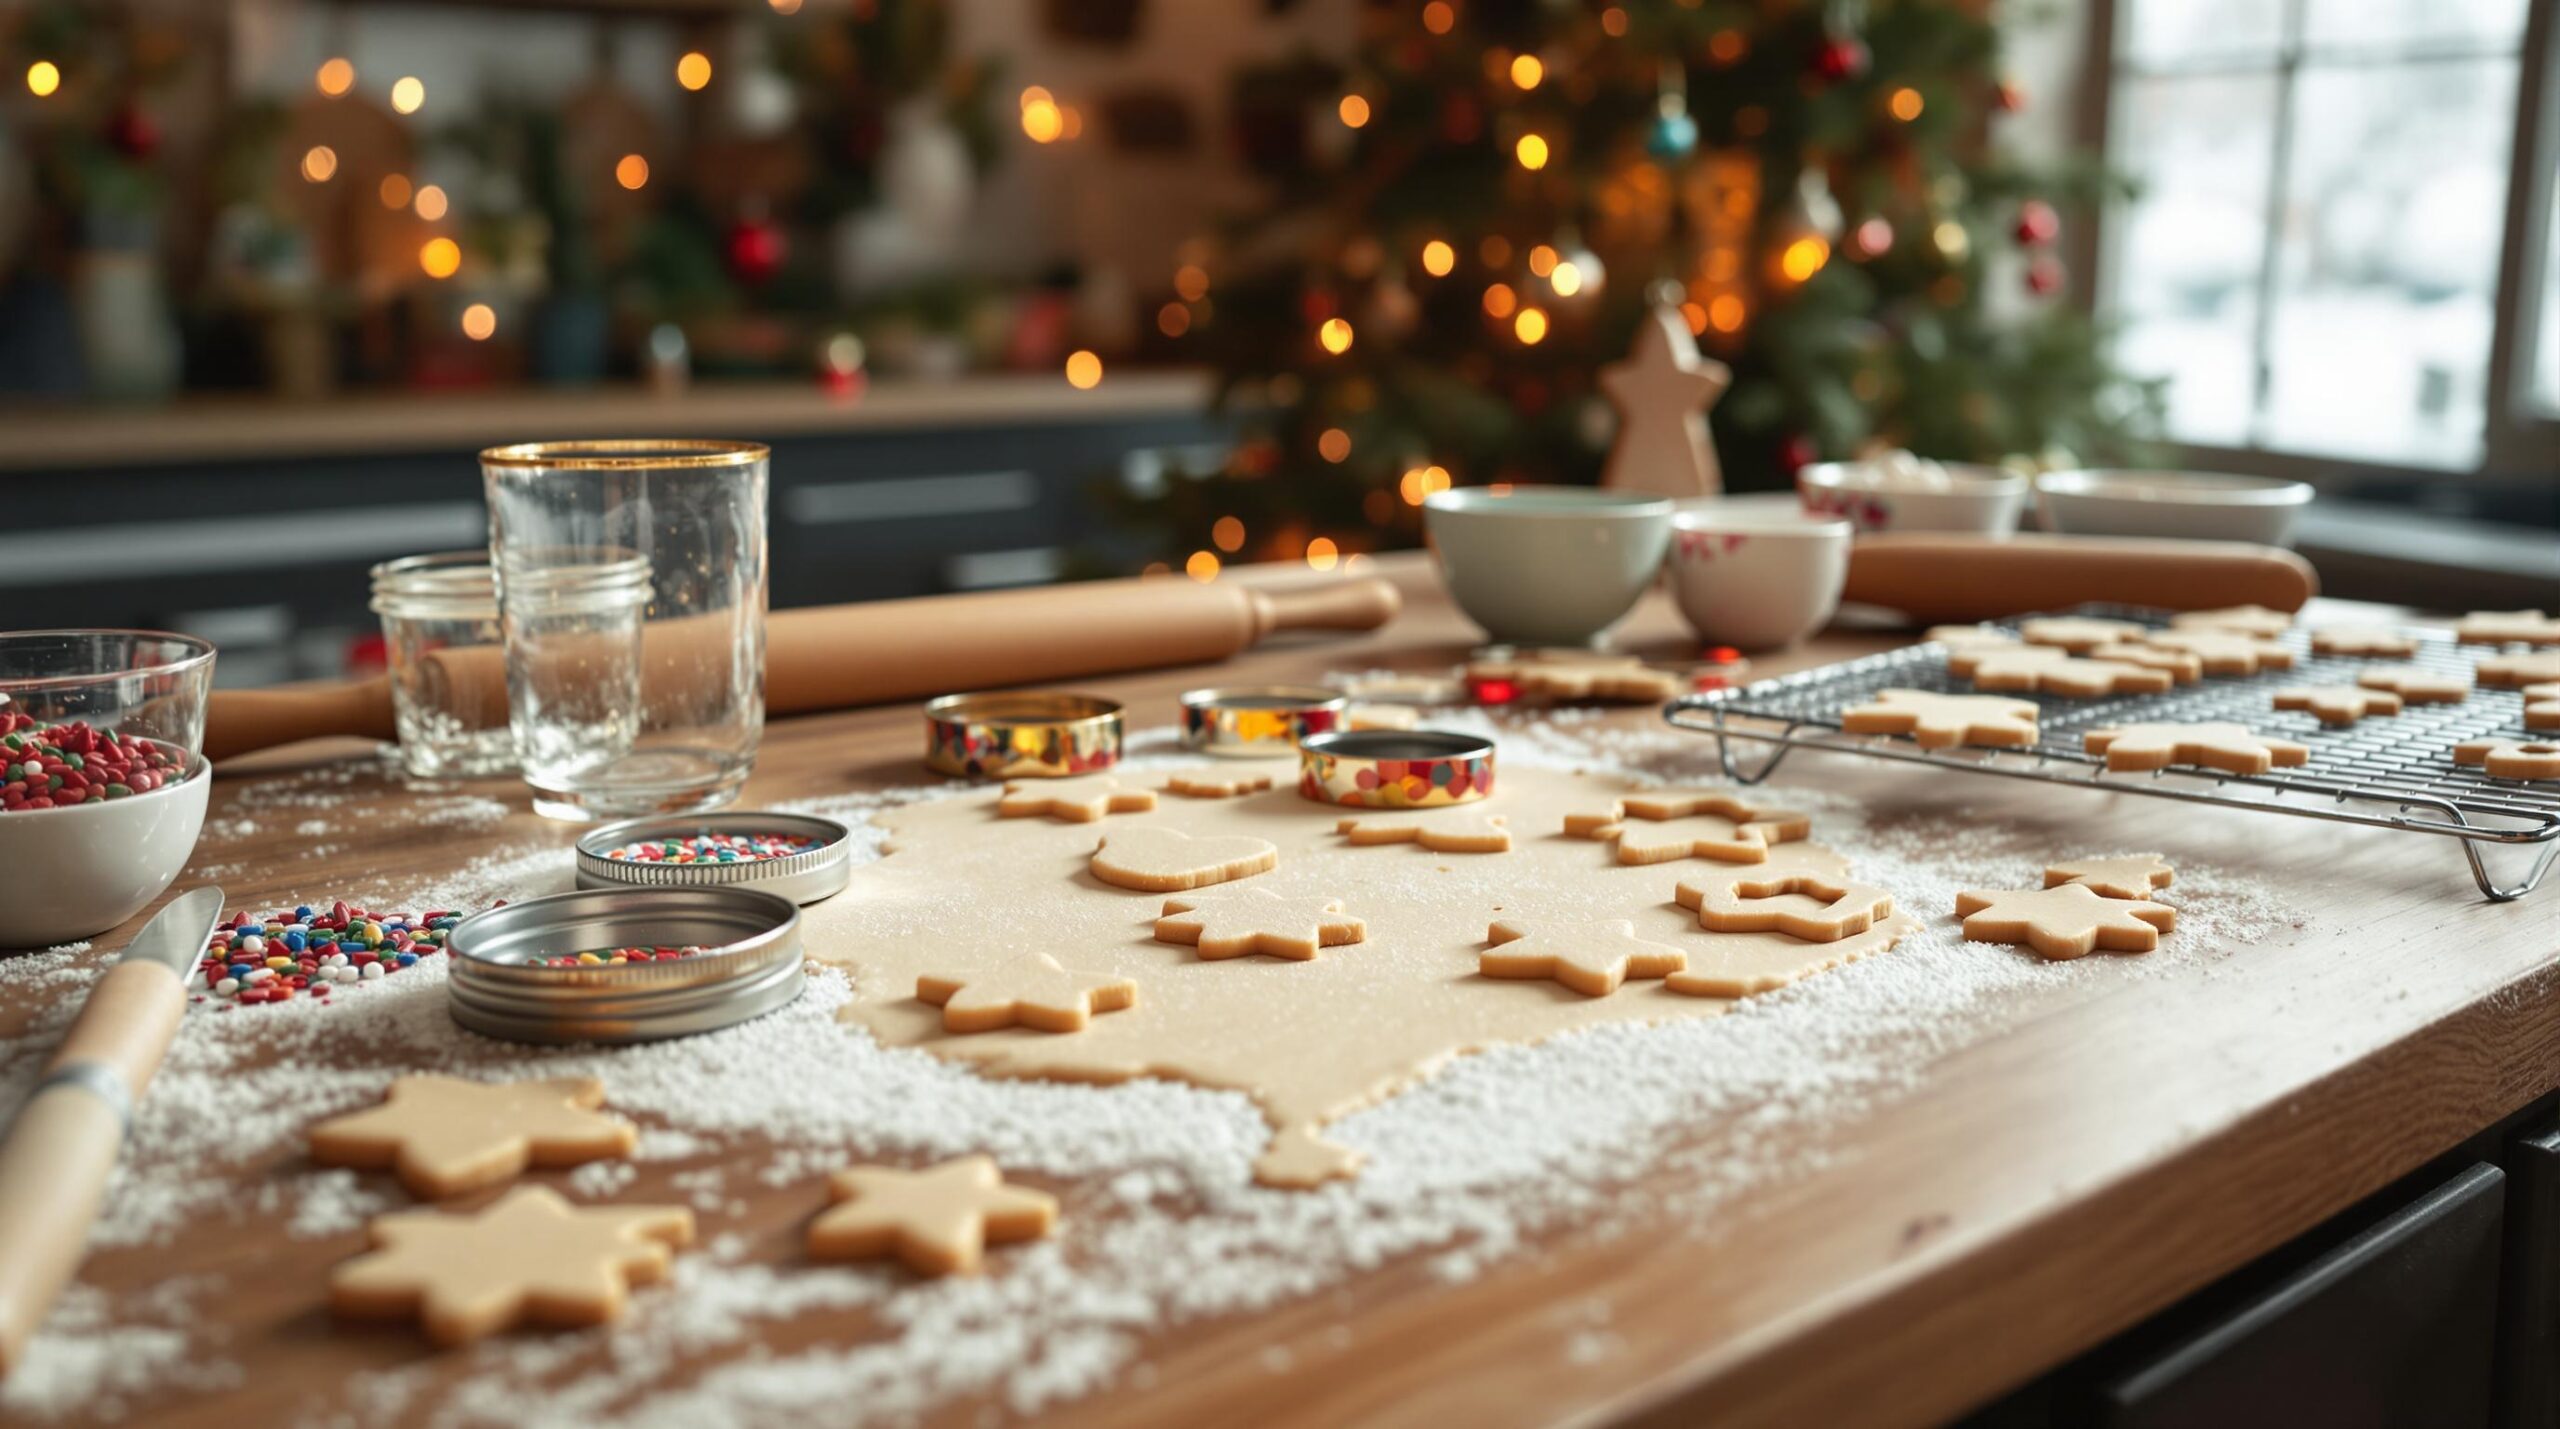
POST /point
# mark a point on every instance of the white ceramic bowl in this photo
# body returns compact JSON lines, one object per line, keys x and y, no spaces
{"x":75,"y":872}
{"x":1754,"y":578}
{"x":1981,"y":499}
{"x":1546,"y":565}
{"x":2195,"y":505}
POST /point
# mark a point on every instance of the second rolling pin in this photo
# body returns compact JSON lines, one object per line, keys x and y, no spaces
{"x":1933,"y":577}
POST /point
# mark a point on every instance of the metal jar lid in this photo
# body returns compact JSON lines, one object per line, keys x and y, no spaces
{"x":751,"y":964}
{"x":804,"y":877}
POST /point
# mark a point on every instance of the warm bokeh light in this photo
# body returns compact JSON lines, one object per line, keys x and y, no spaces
{"x":1334,"y":445}
{"x":1354,"y":111}
{"x":1566,"y":279}
{"x":1173,"y":319}
{"x":1726,"y":312}
{"x":1418,"y":483}
{"x":394,"y":191}
{"x":319,"y":164}
{"x":431,"y":203}
{"x":336,"y":76}
{"x":1804,"y":257}
{"x":1438,"y":258}
{"x":1905,"y":104}
{"x":1726,"y":46}
{"x":1527,"y":70}
{"x":693,"y":71}
{"x":1613,"y":22}
{"x":1084,"y":370}
{"x":1542,"y":260}
{"x":785,"y":7}
{"x":440,"y":257}
{"x":1952,"y":241}
{"x":1873,"y":237}
{"x":1227,"y":535}
{"x":1531,"y":151}
{"x":632,"y":172}
{"x":1042,"y":121}
{"x":1495,"y":250}
{"x":1439,"y":17}
{"x":1335,"y":336}
{"x":478,"y":321}
{"x":1499,"y":301}
{"x":1202,"y":567}
{"x":1531,"y":326}
{"x":1322,"y":553}
{"x":408,"y":94}
{"x":43,"y":78}
{"x":1191,"y":281}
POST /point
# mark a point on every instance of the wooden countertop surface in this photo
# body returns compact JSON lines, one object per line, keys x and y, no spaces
{"x":2046,"y":1187}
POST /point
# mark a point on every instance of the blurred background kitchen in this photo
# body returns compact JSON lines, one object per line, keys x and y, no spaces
{"x":1028,"y":290}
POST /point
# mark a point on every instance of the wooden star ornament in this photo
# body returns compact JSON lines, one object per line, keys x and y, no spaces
{"x":1592,"y":958}
{"x":445,"y":1135}
{"x":939,"y":1220}
{"x":1033,"y":991}
{"x":530,"y":1257}
{"x":1662,"y":392}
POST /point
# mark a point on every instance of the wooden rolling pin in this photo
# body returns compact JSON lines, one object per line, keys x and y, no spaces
{"x":1933,"y":577}
{"x":843,"y":656}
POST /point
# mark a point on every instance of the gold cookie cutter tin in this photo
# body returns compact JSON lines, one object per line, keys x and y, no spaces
{"x":1253,"y":721}
{"x":1025,"y":734}
{"x":1395,"y":768}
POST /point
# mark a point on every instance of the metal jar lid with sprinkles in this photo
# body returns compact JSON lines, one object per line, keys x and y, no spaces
{"x":566,"y":967}
{"x":800,"y":856}
{"x":1395,"y":768}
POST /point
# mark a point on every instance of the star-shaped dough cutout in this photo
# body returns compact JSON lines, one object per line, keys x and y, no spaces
{"x":2534,"y":759}
{"x":1079,"y":799}
{"x":1592,"y":958}
{"x":530,"y":1257}
{"x":1575,"y":675}
{"x":2542,"y":706}
{"x":2183,"y":666}
{"x":1218,"y":784}
{"x":2510,"y":671}
{"x":1740,"y":964}
{"x":1936,"y":721}
{"x":1965,"y":661}
{"x":2224,"y":652}
{"x":2077,"y":632}
{"x":939,"y":1220}
{"x":2213,"y":744}
{"x":1154,"y":858}
{"x":2253,"y":620}
{"x":2337,"y":704}
{"x":2133,"y":875}
{"x":2038,"y":669}
{"x":1033,"y":990}
{"x":1463,"y":832}
{"x":445,"y":1135}
{"x":2417,"y":686}
{"x":1663,"y":825}
{"x":2362,"y":641}
{"x":1755,"y":902}
{"x":1257,"y":920}
{"x":2502,"y":627}
{"x":2068,"y":921}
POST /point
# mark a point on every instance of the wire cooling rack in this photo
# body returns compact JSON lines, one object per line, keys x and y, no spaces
{"x":2392,"y":772}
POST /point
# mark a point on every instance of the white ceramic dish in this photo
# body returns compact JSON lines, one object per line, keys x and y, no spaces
{"x":69,"y":874}
{"x":1546,"y":565}
{"x":1983,"y":500}
{"x":1756,"y":578}
{"x":2195,"y":505}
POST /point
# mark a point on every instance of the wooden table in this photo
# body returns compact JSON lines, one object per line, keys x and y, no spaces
{"x":2047,"y":1187}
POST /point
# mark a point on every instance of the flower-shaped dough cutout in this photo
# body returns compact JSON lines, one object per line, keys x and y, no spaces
{"x":2183,"y":666}
{"x":1218,"y":783}
{"x":2337,"y":704}
{"x":1740,"y":964}
{"x":2224,"y":652}
{"x":447,"y":1135}
{"x":1576,"y":675}
{"x":531,"y":1256}
{"x":2511,"y":758}
{"x":2213,"y":744}
{"x":1464,"y":831}
{"x":2542,"y":706}
{"x":939,"y":1220}
{"x":1153,"y":858}
{"x":2068,"y":921}
{"x":1078,"y":799}
{"x":2363,"y":641}
{"x":2254,"y":620}
{"x":2513,"y":671}
{"x":1256,"y":920}
{"x":2504,"y":627}
{"x":1592,"y":958}
{"x":1663,"y":825}
{"x":1936,"y":721}
{"x":1033,"y":990}
{"x":2132,"y":875}
{"x":2076,"y":632}
{"x":2415,"y":685}
{"x":1817,"y":907}
{"x":2035,"y":670}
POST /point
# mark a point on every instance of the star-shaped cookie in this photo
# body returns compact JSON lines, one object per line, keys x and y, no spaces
{"x":2076,"y":632}
{"x":2502,"y":627}
{"x":1218,"y":783}
{"x":445,"y":1135}
{"x":1740,"y":964}
{"x":1592,"y":958}
{"x":2224,"y":652}
{"x":2362,"y":640}
{"x":2534,"y":759}
{"x":1966,"y":658}
{"x":2542,"y":706}
{"x":1816,"y":907}
{"x":1462,"y":832}
{"x":2068,"y":921}
{"x":939,"y":1220}
{"x":2037,"y":668}
{"x":1256,"y":920}
{"x":1664,"y":825}
{"x":1956,"y":635}
{"x":2511,"y":671}
{"x":1079,"y":799}
{"x":2213,"y":744}
{"x":2254,"y":620}
{"x":1936,"y":721}
{"x":2183,"y":666}
{"x":2415,"y":685}
{"x":1153,"y":858}
{"x":531,"y":1256}
{"x":2337,"y":704}
{"x":2132,"y":875}
{"x":1033,"y":990}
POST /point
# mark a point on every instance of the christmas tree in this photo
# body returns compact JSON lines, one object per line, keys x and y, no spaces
{"x":1468,"y":220}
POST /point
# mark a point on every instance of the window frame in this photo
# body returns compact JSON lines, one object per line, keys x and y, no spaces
{"x":2519,"y":438}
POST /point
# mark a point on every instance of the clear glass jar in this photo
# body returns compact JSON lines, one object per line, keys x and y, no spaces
{"x":448,"y":686}
{"x":631,"y":591}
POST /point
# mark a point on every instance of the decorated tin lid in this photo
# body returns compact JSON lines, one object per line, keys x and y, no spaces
{"x":735,"y":955}
{"x":800,"y":856}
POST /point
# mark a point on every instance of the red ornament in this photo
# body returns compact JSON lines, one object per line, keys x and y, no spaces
{"x":756,"y":250}
{"x":1842,"y":57}
{"x":1795,"y":454}
{"x":2008,"y":97}
{"x":2037,"y":223}
{"x":133,"y":132}
{"x":2045,"y":275}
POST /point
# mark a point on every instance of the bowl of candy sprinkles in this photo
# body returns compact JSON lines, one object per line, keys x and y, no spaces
{"x":102,"y":776}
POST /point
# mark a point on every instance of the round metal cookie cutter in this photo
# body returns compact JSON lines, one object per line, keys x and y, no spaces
{"x":1395,"y":768}
{"x":751,"y":964}
{"x":1024,"y":734}
{"x":1253,"y":721}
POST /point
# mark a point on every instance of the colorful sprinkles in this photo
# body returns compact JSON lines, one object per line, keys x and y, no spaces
{"x":715,"y":848}
{"x":614,"y":957}
{"x":308,"y":950}
{"x":55,"y":766}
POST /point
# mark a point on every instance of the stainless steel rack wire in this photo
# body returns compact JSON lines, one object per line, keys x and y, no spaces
{"x":2389,"y":773}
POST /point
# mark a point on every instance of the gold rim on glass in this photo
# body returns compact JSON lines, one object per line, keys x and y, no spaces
{"x":626,"y":454}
